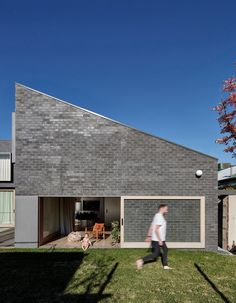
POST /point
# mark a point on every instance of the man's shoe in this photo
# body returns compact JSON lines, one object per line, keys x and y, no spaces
{"x":139,"y":264}
{"x":167,"y":267}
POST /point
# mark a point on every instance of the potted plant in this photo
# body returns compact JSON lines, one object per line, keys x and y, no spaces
{"x":115,"y":232}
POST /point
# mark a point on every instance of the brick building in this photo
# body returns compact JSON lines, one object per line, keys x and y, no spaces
{"x":67,"y":157}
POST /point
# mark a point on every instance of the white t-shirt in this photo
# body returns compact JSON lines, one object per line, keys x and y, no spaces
{"x":161,"y":221}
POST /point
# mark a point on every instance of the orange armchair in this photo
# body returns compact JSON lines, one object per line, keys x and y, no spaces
{"x":98,"y":230}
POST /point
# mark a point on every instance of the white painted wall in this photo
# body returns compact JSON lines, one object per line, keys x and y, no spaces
{"x":232,"y":221}
{"x":26,"y":232}
{"x":112,"y":209}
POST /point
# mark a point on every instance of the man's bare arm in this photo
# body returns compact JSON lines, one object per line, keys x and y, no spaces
{"x":157,"y":230}
{"x":149,"y":235}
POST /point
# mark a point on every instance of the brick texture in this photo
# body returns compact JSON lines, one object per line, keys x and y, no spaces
{"x":62,"y":149}
{"x":183,"y":219}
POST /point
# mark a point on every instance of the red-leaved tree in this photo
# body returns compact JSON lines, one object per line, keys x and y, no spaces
{"x":227,"y":116}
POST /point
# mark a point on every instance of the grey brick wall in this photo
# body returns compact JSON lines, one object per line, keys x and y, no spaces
{"x":64,"y":150}
{"x":183,"y":219}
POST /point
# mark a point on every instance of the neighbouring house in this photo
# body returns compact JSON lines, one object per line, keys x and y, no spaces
{"x":7,"y":194}
{"x":69,"y":159}
{"x":227,"y":207}
{"x":7,"y":187}
{"x":223,"y":165}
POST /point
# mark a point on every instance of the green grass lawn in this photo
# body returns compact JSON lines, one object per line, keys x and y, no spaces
{"x":109,"y":275}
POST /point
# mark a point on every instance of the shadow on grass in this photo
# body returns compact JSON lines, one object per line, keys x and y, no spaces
{"x":44,"y":277}
{"x":213,"y":286}
{"x":89,"y":297}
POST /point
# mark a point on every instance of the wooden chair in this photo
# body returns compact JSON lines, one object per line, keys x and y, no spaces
{"x":98,"y":230}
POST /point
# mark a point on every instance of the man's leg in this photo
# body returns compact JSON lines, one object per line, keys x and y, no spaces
{"x":164,"y":254}
{"x":155,"y":252}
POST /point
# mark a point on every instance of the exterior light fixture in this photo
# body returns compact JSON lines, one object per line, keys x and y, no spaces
{"x":198,"y":173}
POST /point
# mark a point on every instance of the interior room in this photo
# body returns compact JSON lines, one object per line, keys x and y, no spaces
{"x":60,"y":216}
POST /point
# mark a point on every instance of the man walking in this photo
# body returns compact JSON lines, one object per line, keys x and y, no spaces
{"x":157,"y":236}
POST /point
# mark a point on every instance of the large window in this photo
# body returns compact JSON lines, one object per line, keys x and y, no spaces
{"x":186,"y":220}
{"x":6,"y":208}
{"x":5,"y":167}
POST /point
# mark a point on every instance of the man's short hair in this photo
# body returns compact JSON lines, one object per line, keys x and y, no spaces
{"x":162,"y":206}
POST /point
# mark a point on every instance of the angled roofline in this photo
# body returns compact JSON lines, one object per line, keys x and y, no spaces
{"x":117,"y":122}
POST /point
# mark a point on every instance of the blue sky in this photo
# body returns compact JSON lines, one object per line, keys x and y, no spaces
{"x":154,"y":65}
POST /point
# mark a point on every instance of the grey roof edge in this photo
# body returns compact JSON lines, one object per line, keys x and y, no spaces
{"x":226,"y":192}
{"x":7,"y":185}
{"x":6,"y":146}
{"x":120,"y":123}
